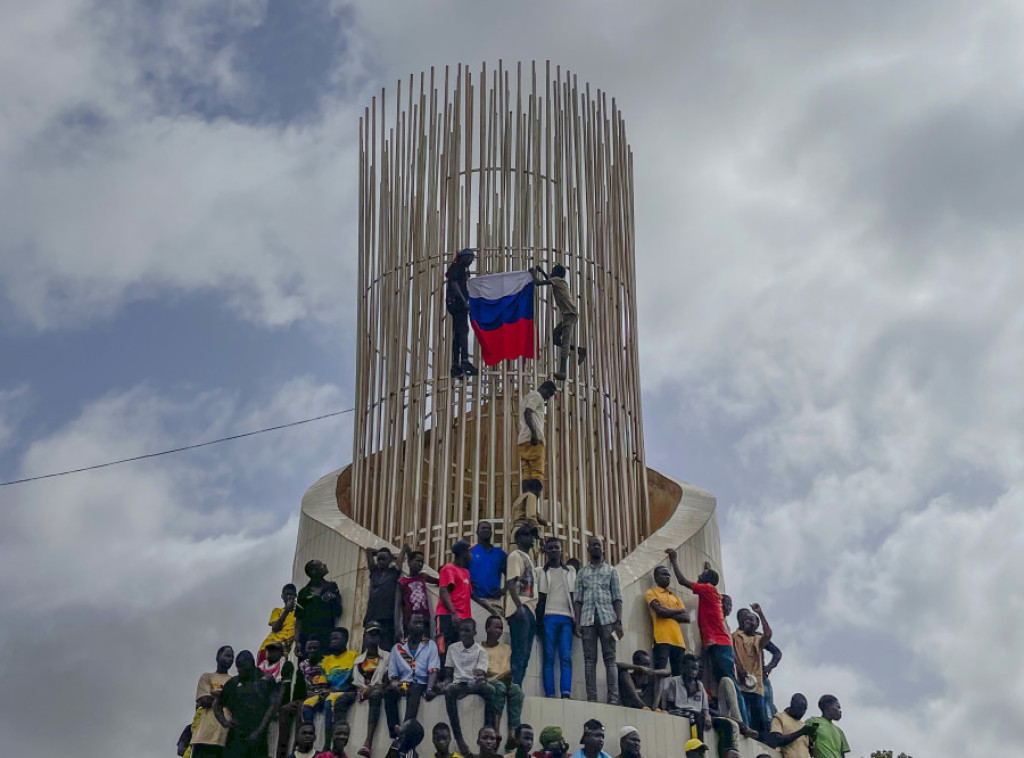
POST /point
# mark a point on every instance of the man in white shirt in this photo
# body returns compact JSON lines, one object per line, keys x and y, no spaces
{"x":556,"y":583}
{"x":521,"y":601}
{"x":467,"y":661}
{"x":532,"y":454}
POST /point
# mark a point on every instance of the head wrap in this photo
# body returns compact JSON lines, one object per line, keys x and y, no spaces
{"x":550,"y":735}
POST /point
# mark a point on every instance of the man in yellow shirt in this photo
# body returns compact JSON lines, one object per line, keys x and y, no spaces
{"x":282,"y":624}
{"x":667,"y":613}
{"x":789,"y":735}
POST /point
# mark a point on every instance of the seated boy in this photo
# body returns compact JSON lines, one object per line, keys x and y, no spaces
{"x":467,"y":661}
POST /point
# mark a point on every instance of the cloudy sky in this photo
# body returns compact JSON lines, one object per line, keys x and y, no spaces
{"x":827,"y":201}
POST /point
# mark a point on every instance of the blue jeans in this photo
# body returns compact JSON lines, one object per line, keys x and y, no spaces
{"x":557,"y":639}
{"x":723,"y":665}
{"x":521,"y":632}
{"x":755,"y":707}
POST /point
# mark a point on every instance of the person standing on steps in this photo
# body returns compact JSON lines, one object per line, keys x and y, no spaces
{"x":456,"y":301}
{"x":556,"y":583}
{"x":532,"y":455}
{"x":711,"y":621}
{"x":597,"y":606}
{"x":569,"y":316}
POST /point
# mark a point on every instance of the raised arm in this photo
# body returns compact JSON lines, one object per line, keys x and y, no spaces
{"x":540,"y":276}
{"x":756,"y":608}
{"x":673,"y":559}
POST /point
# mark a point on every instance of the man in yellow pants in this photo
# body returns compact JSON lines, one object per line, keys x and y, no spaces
{"x":532,"y":454}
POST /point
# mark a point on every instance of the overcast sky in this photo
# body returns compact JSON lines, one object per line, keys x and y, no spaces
{"x":828,"y":234}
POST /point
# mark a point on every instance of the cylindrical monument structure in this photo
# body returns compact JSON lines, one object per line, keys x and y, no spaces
{"x":528,"y":167}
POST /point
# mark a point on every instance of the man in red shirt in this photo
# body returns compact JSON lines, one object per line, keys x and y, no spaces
{"x":455,"y":594}
{"x":711,"y":621}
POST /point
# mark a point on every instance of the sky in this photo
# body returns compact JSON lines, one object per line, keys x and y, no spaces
{"x":827,"y":198}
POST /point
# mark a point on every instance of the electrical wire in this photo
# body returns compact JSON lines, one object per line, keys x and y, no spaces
{"x":174,"y":450}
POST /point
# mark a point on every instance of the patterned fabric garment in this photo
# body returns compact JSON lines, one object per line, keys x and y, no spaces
{"x":414,"y":596}
{"x":597,"y":588}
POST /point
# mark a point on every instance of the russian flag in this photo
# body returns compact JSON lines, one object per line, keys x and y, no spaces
{"x":501,"y":310}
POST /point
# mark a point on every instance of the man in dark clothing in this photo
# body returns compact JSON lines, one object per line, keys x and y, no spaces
{"x":250,"y":699}
{"x":456,"y":301}
{"x":384,"y":600}
{"x":639,"y":682}
{"x":318,"y":606}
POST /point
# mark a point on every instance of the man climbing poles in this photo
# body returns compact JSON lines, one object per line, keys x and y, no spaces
{"x":456,"y":301}
{"x":532,"y":455}
{"x":565,"y":301}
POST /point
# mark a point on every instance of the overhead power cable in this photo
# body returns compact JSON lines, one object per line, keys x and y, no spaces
{"x":174,"y":450}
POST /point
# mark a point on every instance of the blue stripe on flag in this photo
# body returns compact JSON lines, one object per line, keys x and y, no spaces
{"x":493,"y":314}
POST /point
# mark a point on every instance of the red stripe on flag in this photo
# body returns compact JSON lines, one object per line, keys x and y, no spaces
{"x":506,"y":343}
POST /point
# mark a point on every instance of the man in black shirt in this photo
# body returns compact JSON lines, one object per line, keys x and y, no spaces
{"x":384,"y":603}
{"x":456,"y":301}
{"x":250,"y":698}
{"x":318,"y":606}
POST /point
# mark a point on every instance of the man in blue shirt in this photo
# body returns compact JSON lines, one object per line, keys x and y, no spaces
{"x":488,"y":564}
{"x":592,"y":742}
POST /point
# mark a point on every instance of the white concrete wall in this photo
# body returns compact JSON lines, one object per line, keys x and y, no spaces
{"x":327,"y":534}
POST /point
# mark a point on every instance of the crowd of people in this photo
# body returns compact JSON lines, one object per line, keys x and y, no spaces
{"x":411,"y":653}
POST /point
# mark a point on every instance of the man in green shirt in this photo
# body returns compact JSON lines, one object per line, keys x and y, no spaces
{"x":828,"y":740}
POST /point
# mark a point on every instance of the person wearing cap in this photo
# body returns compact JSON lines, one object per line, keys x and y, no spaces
{"x":711,"y":622}
{"x":695,"y":748}
{"x":532,"y":455}
{"x":552,"y":743}
{"x":317,"y":607}
{"x":592,"y":741}
{"x":455,"y":597}
{"x":456,"y":302}
{"x":282,"y":624}
{"x":597,"y":605}
{"x":629,"y":742}
{"x":569,"y":316}
{"x":521,"y":601}
{"x":369,"y":672}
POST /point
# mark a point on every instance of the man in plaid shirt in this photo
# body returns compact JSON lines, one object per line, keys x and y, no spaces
{"x":598,"y":608}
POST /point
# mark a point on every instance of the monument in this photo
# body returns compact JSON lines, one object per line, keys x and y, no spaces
{"x":526,"y":166}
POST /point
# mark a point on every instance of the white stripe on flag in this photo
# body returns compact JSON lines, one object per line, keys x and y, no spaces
{"x":497,"y":286}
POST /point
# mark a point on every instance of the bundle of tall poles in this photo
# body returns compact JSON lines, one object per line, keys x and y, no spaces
{"x":527,"y":169}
